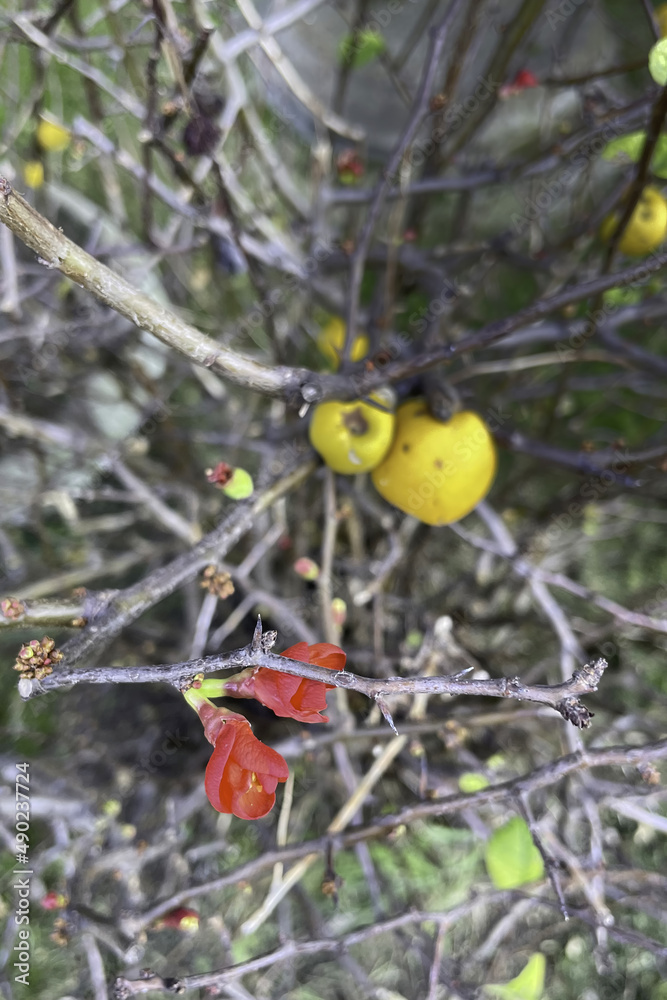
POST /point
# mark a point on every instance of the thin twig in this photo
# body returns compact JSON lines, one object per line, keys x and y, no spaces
{"x":129,"y":604}
{"x":418,"y":113}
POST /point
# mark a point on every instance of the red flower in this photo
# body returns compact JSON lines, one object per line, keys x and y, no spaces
{"x":288,"y":696}
{"x":243,"y":773}
{"x":523,"y":79}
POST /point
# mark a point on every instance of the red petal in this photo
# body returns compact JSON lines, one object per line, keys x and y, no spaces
{"x":298,"y":652}
{"x":214,"y":719}
{"x":216,"y":766}
{"x":311,"y":697}
{"x":325,"y":654}
{"x":273,"y":688}
{"x":253,"y":804}
{"x":253,"y":755}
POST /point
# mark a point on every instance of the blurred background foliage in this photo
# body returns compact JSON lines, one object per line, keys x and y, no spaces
{"x":194,"y":170}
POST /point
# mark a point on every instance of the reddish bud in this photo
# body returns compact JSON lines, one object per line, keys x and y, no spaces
{"x":181,"y":918}
{"x":525,"y":78}
{"x":220,"y":475}
{"x":338,"y":611}
{"x":522,"y":81}
{"x":307,"y":569}
{"x":349,"y":166}
{"x":12,"y":608}
{"x":53,"y":901}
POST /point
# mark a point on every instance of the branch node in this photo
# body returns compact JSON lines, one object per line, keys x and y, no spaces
{"x":575,"y":711}
{"x":310,"y":393}
{"x":590,"y":674}
{"x":124,"y":989}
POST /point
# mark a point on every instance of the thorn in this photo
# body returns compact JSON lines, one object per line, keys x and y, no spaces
{"x":257,"y":634}
{"x":461,"y":673}
{"x":379,"y":701}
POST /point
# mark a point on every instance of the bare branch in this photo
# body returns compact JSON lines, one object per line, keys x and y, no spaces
{"x":564,"y":698}
{"x":56,"y":250}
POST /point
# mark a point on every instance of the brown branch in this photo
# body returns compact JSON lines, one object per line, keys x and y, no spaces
{"x":523,"y":21}
{"x":619,"y":122}
{"x":57,"y":251}
{"x":492,"y":332}
{"x":124,"y":988}
{"x":564,"y":698}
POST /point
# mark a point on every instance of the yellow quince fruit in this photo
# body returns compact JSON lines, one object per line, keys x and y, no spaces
{"x":646,"y":228}
{"x":33,"y":174}
{"x":53,"y":137}
{"x":436,"y":470}
{"x":331,"y":341}
{"x":353,"y":437}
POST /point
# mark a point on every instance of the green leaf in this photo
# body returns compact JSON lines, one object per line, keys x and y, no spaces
{"x":528,"y":985}
{"x":630,"y":146}
{"x":659,"y":161}
{"x":657,"y":62}
{"x":414,"y":640}
{"x":471,"y":781}
{"x":622,"y":296}
{"x":362,"y":48}
{"x":511,"y":856}
{"x":627,"y":146}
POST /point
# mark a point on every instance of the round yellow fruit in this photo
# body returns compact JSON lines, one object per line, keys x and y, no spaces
{"x":53,"y":137}
{"x":33,"y":174}
{"x":437,"y":471}
{"x":353,"y":437}
{"x":646,"y":228}
{"x":331,"y":342}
